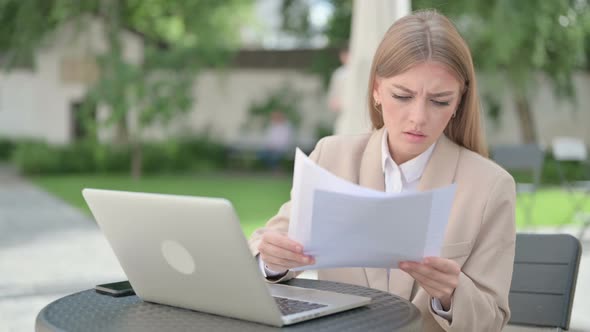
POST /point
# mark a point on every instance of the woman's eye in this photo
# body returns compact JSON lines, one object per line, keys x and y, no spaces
{"x":441,"y":103}
{"x":400,"y":97}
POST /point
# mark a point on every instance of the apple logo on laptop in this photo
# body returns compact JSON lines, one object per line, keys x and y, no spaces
{"x":178,"y":257}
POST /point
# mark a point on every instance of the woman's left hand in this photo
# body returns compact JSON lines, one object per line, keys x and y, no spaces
{"x":438,"y":276}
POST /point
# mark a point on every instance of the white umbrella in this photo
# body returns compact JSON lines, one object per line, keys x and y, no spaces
{"x":370,"y":20}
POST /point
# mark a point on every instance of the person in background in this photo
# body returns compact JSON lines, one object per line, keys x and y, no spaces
{"x":425,"y":111}
{"x":337,"y":84}
{"x":278,"y":140}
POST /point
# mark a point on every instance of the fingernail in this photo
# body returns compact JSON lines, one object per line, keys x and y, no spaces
{"x":298,"y":249}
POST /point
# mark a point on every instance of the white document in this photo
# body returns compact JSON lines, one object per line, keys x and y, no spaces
{"x":343,"y":224}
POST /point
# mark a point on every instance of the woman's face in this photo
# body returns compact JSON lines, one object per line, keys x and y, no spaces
{"x":416,"y":105}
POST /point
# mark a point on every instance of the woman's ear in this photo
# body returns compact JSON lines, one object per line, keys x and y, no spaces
{"x":376,"y":96}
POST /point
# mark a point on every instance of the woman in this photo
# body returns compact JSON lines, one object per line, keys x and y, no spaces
{"x":425,"y":111}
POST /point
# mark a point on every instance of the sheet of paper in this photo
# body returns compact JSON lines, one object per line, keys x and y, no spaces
{"x":345,"y":225}
{"x":308,"y":177}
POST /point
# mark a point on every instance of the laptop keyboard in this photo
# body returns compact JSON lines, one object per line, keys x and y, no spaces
{"x":290,"y":306}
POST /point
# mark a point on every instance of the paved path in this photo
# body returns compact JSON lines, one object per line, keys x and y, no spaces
{"x":49,"y":249}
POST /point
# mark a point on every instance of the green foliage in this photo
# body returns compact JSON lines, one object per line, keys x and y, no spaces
{"x":296,"y":18}
{"x":518,"y":37}
{"x":7,"y":147}
{"x":284,"y":100}
{"x":160,"y":87}
{"x":493,"y":109}
{"x":37,"y":158}
{"x":573,"y":171}
{"x":188,"y":155}
{"x":169,"y":24}
{"x":179,"y":36}
{"x":522,"y":37}
{"x":511,"y":41}
{"x":324,"y":65}
{"x":324,"y":130}
{"x":24,"y":25}
{"x":337,"y":30}
{"x":109,"y":159}
{"x":187,"y":23}
{"x":338,"y":27}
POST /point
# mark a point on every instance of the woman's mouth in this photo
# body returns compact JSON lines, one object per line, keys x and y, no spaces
{"x":414,"y":136}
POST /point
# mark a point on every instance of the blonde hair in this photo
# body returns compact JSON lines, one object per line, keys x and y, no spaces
{"x":430,"y":36}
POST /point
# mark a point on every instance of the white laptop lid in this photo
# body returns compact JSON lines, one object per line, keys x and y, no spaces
{"x":176,"y":250}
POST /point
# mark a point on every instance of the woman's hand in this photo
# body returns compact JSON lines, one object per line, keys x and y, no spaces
{"x":280,"y":253}
{"x":438,"y":276}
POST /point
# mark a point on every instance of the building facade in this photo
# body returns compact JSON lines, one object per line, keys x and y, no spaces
{"x":42,"y":103}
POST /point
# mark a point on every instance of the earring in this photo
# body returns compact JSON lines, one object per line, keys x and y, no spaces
{"x":376,"y":106}
{"x":454,"y":115}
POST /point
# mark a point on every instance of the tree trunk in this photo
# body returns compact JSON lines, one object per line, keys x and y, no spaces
{"x":121,"y":133}
{"x":136,"y":160}
{"x":528,"y":130}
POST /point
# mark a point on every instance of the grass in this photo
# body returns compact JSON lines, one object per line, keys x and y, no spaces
{"x":258,"y":197}
{"x":255,"y":198}
{"x":550,"y":207}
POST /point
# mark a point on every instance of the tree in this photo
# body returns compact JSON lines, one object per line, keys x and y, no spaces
{"x":296,"y":20}
{"x":511,"y":41}
{"x":519,"y":39}
{"x":180,"y":37}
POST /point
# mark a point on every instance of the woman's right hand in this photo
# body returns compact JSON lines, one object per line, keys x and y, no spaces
{"x":279,"y":253}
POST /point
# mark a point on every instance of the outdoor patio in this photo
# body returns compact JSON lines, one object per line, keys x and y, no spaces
{"x":50,"y":249}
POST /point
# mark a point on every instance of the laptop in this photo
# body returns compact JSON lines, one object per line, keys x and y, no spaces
{"x":190,"y":252}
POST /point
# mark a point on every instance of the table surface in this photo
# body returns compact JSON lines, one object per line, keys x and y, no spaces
{"x":90,"y":311}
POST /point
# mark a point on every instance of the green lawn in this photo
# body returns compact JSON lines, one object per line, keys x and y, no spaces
{"x":551,"y":206}
{"x":258,"y":197}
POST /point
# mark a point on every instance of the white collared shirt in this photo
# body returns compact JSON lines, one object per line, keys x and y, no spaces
{"x":398,"y":178}
{"x":405,"y":178}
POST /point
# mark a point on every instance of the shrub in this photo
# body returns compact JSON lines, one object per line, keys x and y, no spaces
{"x":194,"y":154}
{"x":78,"y":158}
{"x":7,"y":147}
{"x":34,"y":157}
{"x":187,"y":155}
{"x":573,"y":171}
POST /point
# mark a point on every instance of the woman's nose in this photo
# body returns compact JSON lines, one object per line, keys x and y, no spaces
{"x":418,"y":113}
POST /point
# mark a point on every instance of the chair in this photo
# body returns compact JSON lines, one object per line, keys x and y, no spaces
{"x":570,"y":149}
{"x":528,"y":158}
{"x":543,"y":282}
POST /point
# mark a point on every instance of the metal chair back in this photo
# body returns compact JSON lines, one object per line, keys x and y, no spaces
{"x":544,"y":280}
{"x":523,"y":157}
{"x":528,"y":158}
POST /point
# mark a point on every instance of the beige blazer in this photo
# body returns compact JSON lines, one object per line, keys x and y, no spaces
{"x":480,"y":235}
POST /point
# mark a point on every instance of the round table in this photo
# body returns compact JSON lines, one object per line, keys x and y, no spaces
{"x":90,"y":311}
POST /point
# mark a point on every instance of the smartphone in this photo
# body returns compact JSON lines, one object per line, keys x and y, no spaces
{"x":115,"y":289}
